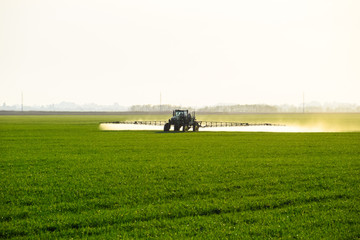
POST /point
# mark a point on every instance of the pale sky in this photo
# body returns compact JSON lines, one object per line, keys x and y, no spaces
{"x":194,"y":52}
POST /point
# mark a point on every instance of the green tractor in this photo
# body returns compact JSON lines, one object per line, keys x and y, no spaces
{"x":182,"y":119}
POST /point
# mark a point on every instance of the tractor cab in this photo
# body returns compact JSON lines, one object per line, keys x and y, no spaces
{"x":180,"y":113}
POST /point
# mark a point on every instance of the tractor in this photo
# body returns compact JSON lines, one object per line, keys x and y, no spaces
{"x":182,"y":119}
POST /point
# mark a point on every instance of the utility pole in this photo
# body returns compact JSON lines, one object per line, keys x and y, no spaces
{"x":160,"y":102}
{"x":22,"y":101}
{"x":303,"y":102}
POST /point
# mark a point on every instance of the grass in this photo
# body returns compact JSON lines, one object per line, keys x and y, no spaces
{"x":63,"y":178}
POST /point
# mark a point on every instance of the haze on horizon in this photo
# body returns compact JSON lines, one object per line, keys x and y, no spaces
{"x":194,"y":52}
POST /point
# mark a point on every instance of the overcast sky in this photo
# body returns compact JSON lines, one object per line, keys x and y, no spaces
{"x":193,"y":52}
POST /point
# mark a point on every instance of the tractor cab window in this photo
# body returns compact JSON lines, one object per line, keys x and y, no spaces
{"x":180,"y":113}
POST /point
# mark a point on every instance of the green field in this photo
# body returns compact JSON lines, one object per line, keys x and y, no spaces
{"x":60,"y":177}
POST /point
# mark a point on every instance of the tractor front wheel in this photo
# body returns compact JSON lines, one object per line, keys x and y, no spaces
{"x":166,"y":127}
{"x":185,"y":128}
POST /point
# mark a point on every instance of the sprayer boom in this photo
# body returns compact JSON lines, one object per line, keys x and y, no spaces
{"x":183,"y":120}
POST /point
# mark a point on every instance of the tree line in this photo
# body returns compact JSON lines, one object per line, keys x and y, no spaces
{"x":253,"y":108}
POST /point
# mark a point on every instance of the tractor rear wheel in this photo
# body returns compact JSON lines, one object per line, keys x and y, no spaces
{"x":176,"y":127}
{"x":196,"y":127}
{"x":166,"y":127}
